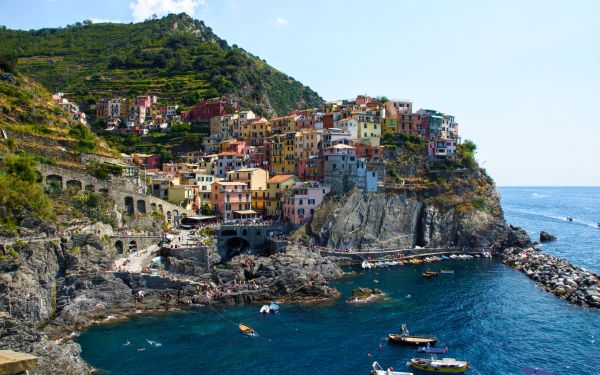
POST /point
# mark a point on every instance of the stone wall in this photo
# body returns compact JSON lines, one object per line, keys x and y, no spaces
{"x":128,"y":201}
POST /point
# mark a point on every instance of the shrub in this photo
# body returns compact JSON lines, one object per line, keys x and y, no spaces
{"x":21,"y":198}
{"x":22,"y":167}
{"x":8,"y":62}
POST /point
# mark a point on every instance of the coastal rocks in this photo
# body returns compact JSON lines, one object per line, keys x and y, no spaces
{"x":363,"y":220}
{"x":576,"y":285}
{"x":362,"y":295}
{"x":546,"y":237}
{"x":368,"y":221}
{"x":54,"y":356}
{"x":297,"y":274}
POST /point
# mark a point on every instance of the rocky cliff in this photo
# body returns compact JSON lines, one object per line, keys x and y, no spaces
{"x":429,"y":210}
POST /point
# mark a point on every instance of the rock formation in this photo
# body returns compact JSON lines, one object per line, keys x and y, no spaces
{"x":546,"y":237}
{"x":361,"y":295}
{"x":576,"y":285}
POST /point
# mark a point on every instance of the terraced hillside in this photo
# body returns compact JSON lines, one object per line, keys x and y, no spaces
{"x":31,"y":123}
{"x":177,"y":58}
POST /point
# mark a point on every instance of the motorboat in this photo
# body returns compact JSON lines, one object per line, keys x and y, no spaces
{"x":447,"y":272}
{"x":274,"y":307}
{"x":377,"y":370}
{"x":265,"y":309}
{"x":247,"y":330}
{"x":407,"y":339}
{"x":430,"y":274}
{"x":365,"y":264}
{"x":439,"y":366}
{"x":569,"y":218}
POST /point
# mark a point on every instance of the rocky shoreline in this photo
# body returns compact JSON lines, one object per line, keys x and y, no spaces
{"x":558,"y":276}
{"x":50,"y":290}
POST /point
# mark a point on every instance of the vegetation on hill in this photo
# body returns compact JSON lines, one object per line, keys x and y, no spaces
{"x":36,"y":125}
{"x":177,"y":58}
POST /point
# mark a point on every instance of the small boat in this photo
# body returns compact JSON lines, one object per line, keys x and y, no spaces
{"x":430,"y":274}
{"x":265,"y":309}
{"x":447,"y":272}
{"x":439,"y":366}
{"x":365,"y":265}
{"x":377,"y":370}
{"x":598,"y":225}
{"x":247,"y":330}
{"x":569,"y":218}
{"x":406,"y":339}
{"x":430,"y":350}
{"x":274,"y":307}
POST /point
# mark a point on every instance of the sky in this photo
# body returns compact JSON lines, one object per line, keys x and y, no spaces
{"x":522,"y":78}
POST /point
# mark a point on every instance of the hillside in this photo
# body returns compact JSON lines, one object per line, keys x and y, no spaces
{"x":176,"y":58}
{"x":33,"y":124}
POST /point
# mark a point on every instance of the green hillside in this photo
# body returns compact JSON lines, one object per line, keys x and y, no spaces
{"x":177,"y":58}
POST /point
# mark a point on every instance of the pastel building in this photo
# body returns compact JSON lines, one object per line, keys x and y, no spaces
{"x":276,"y":187}
{"x":256,"y":180}
{"x":231,"y":199}
{"x":229,"y":161}
{"x":301,"y":201}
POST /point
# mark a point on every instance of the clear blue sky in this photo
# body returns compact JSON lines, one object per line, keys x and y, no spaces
{"x":521,"y":77}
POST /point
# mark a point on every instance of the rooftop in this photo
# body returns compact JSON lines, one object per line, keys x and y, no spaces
{"x":280,"y":178}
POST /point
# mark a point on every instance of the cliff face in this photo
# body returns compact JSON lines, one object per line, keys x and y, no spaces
{"x":463,"y":212}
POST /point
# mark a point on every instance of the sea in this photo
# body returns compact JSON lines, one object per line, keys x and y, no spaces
{"x":487,"y":313}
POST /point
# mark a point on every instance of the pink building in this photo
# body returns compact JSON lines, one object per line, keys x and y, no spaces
{"x":146,"y":161}
{"x":301,"y":201}
{"x":305,"y":122}
{"x":231,"y":199}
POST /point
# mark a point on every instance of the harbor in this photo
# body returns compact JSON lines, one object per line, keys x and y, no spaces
{"x":477,"y":313}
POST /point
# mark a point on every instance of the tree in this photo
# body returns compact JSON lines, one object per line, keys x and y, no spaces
{"x":22,"y":167}
{"x":8,"y":62}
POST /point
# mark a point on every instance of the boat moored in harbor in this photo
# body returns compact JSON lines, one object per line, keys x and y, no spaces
{"x":247,"y":330}
{"x":406,"y":338}
{"x":439,"y":366}
{"x":377,"y":370}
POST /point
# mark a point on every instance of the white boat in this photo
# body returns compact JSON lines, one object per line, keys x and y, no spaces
{"x":365,"y":265}
{"x":265,"y":309}
{"x":377,"y":370}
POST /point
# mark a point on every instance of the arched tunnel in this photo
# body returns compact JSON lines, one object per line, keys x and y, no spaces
{"x":235,"y":246}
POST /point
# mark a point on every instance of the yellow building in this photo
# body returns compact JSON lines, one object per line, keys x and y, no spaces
{"x":184,"y":196}
{"x":307,"y":143}
{"x":276,"y":187}
{"x":368,"y":125}
{"x":289,"y":153}
{"x":284,"y":124}
{"x":276,"y":161}
{"x":256,"y":179}
{"x":255,"y":132}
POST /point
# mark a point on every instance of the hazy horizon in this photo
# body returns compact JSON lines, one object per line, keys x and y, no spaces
{"x":517,"y":76}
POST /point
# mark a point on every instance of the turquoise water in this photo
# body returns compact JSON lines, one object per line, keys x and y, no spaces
{"x":486,"y":312}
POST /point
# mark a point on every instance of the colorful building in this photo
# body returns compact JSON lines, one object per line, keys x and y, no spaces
{"x":301,"y":201}
{"x":231,"y":199}
{"x":276,"y":187}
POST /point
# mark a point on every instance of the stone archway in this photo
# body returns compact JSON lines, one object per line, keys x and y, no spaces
{"x":119,"y":246}
{"x":132,"y":246}
{"x":169,"y":215}
{"x":74,"y":184}
{"x":90,"y":188}
{"x":141,"y":206}
{"x":129,"y":206}
{"x":54,"y":180}
{"x":152,"y":207}
{"x":235,"y":246}
{"x":160,"y":208}
{"x":103,"y":191}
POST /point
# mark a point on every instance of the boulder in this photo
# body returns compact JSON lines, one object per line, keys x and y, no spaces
{"x":365,"y":295}
{"x":546,"y":237}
